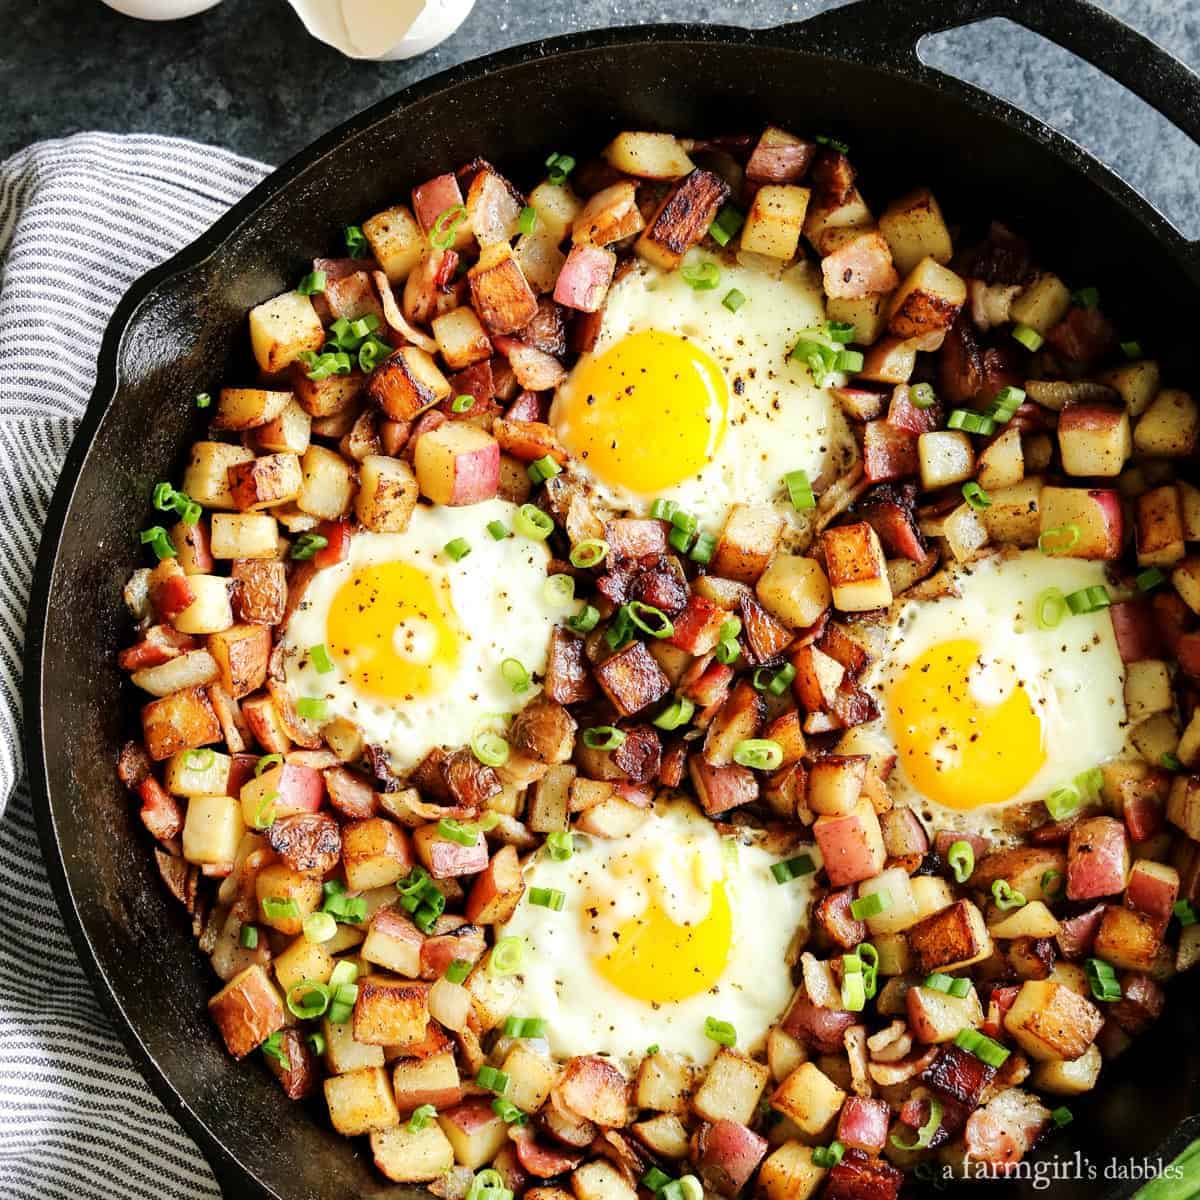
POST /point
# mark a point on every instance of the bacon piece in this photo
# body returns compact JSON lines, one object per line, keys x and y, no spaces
{"x":170,"y":590}
{"x":711,"y":685}
{"x":585,"y":278}
{"x":1076,"y":934}
{"x":1141,"y":1004}
{"x":528,"y":440}
{"x":860,"y":266}
{"x":636,"y":537}
{"x":477,"y":382}
{"x":778,"y":157}
{"x":674,"y":764}
{"x":133,"y":765}
{"x":632,"y":680}
{"x":833,"y":916}
{"x":844,"y":649}
{"x":528,"y":406}
{"x":567,"y":678}
{"x":179,"y":876}
{"x":534,"y":368}
{"x":852,"y":706}
{"x":833,"y":176}
{"x":663,"y":590}
{"x":958,"y":1074}
{"x":1083,"y":336}
{"x":310,"y":843}
{"x":904,"y":414}
{"x":960,"y":364}
{"x":766,"y":638}
{"x":639,"y":756}
{"x":1002,"y":257}
{"x":448,"y":942}
{"x":1003,"y":1130}
{"x":1137,"y":630}
{"x":863,"y":1124}
{"x":351,"y":796}
{"x":160,"y":644}
{"x":594,"y":1090}
{"x":161,"y":813}
{"x":539,"y":1160}
{"x":548,"y":329}
{"x":888,"y":453}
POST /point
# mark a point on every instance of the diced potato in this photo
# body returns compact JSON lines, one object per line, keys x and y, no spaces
{"x":300,"y":961}
{"x":894,"y":955}
{"x":931,"y":893}
{"x":407,"y":1156}
{"x":835,"y":783}
{"x":361,"y":1102}
{"x":1096,"y":511}
{"x":1032,"y":920}
{"x":288,"y":433}
{"x":825,"y":221}
{"x":394,"y":943}
{"x":790,"y":1173}
{"x":212,"y":830}
{"x":1148,"y":688}
{"x":387,"y":494}
{"x":794,"y":589}
{"x":181,"y":721}
{"x":1094,"y":439}
{"x":328,"y":398}
{"x":1136,"y":382}
{"x":664,"y":1083}
{"x":1169,"y":426}
{"x":282,"y":329}
{"x":499,"y":290}
{"x":664,"y":1135}
{"x":461,"y":337}
{"x":894,"y":889}
{"x":1042,"y":304}
{"x":530,"y":1077}
{"x":396,"y":241}
{"x":244,"y":535}
{"x":731,"y":1089}
{"x":1156,"y":736}
{"x":648,"y":155}
{"x":851,"y":845}
{"x":457,"y":464}
{"x":375,"y":853}
{"x":927,"y":301}
{"x":264,"y":482}
{"x":211,"y":610}
{"x":1002,"y":462}
{"x":868,"y":315}
{"x":206,"y":477}
{"x":1014,"y":516}
{"x":810,"y":1098}
{"x":556,"y":206}
{"x":475,"y":1132}
{"x":947,"y":457}
{"x":747,"y":542}
{"x":247,"y":1010}
{"x":343,"y":1054}
{"x":600,"y":1180}
{"x":1072,"y":1077}
{"x":285,"y":897}
{"x":775,"y":220}
{"x":1128,"y":939}
{"x":952,"y":938}
{"x":327,"y":487}
{"x":935,"y":1016}
{"x":540,"y":260}
{"x":198,"y":773}
{"x":1050,"y":1021}
{"x":1159,"y":527}
{"x":248,"y":408}
{"x":856,"y":566}
{"x":390,"y":1012}
{"x":915,"y":229}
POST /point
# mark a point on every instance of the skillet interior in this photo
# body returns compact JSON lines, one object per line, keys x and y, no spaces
{"x":187,"y":334}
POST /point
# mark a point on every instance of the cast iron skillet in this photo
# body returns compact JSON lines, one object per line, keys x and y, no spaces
{"x":180,"y":330}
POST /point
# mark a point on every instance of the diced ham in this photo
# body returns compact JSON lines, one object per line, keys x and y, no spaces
{"x":160,"y":644}
{"x":161,"y":813}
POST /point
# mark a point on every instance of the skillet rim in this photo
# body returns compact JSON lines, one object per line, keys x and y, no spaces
{"x":899,"y":61}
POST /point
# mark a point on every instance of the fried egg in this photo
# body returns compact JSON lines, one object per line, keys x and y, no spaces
{"x":658,"y":931}
{"x":985,"y":709}
{"x":685,"y":400}
{"x":416,"y":639}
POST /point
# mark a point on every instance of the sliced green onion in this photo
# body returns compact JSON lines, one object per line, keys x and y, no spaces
{"x":1089,"y":784}
{"x":558,"y":590}
{"x":266,"y":763}
{"x":727,"y":651}
{"x":585,"y":620}
{"x":356,"y":242}
{"x":721,"y":1032}
{"x":799,"y":490}
{"x":1171,"y":762}
{"x":458,"y":970}
{"x":817,"y":357}
{"x":559,"y":167}
{"x":450,"y":830}
{"x":620,"y":629}
{"x":760,"y":753}
{"x":591,"y":552}
{"x":1049,"y":608}
{"x":550,"y":898}
{"x":308,"y":999}
{"x":971,"y":422}
{"x":273,"y":1048}
{"x":445,"y":228}
{"x":1065,"y":537}
{"x":1102,"y":979}
{"x":561,"y":844}
{"x":203,"y":400}
{"x":199,"y":760}
{"x":927,"y":1132}
{"x":316,"y":1041}
{"x":842,"y":148}
{"x":1089,"y":599}
{"x":683,"y":521}
{"x":492,"y":1079}
{"x":515,"y":675}
{"x":462,"y":404}
{"x":1149,"y":579}
{"x":849,"y":361}
{"x":792,"y":868}
{"x":319,"y":927}
{"x":264,"y":815}
{"x":311,"y":708}
{"x":1052,"y":883}
{"x":528,"y":220}
{"x":663,"y":510}
{"x":961,"y":859}
{"x":319,"y":657}
{"x":1086,"y":297}
{"x":703,"y":548}
{"x":869,"y":957}
{"x":680,"y":540}
{"x":1182,"y":909}
{"x":312,"y":284}
{"x":828,"y":1157}
{"x":783,"y":680}
{"x":306,"y":545}
{"x":542,"y":469}
{"x":421,"y":1116}
{"x":854,"y":991}
{"x":840,"y":331}
{"x":678,"y":713}
{"x":983,"y":1047}
{"x":532,"y":523}
{"x":734,"y":299}
{"x":508,"y":956}
{"x":870,"y":906}
{"x":1005,"y":897}
{"x":650,"y":620}
{"x":975,"y":496}
{"x":498,"y":530}
{"x":490,"y":748}
{"x":922,"y":395}
{"x":731,"y":627}
{"x":157,"y":539}
{"x":1005,"y":404}
{"x":1028,"y":337}
{"x":1061,"y":1116}
{"x":938,"y":982}
{"x":488,"y":1185}
{"x":524,"y":1027}
{"x":960,"y":987}
{"x":330,"y":362}
{"x":1131,"y":350}
{"x":654,"y":1179}
{"x":508,"y":1112}
{"x":1063,"y":802}
{"x":603,"y":737}
{"x":457,"y":549}
{"x":701,"y":276}
{"x":726,"y":225}
{"x":280,"y":908}
{"x":248,"y":936}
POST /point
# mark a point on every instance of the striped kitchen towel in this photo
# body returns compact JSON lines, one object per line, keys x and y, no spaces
{"x":80,"y":220}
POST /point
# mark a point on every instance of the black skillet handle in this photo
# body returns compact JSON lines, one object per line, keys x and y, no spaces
{"x":887,"y":32}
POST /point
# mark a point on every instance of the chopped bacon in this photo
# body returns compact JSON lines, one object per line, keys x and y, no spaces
{"x":858,"y":1177}
{"x":674,"y":764}
{"x":775,"y":161}
{"x":720,"y":789}
{"x":1083,"y":336}
{"x":133,"y":765}
{"x":350,"y":794}
{"x":961,"y":368}
{"x":661,"y":589}
{"x":957,"y":1073}
{"x":594,"y":1090}
{"x":548,"y":329}
{"x":585,"y":278}
{"x":160,"y":644}
{"x":1141,"y":1003}
{"x":161,"y":813}
{"x":1006,"y":1127}
{"x":539,"y":1160}
{"x":534,"y":368}
{"x":1137,"y":628}
{"x":528,"y":406}
{"x":636,"y":537}
{"x":1076,"y":934}
{"x":833,"y":915}
{"x":568,"y":679}
{"x":477,"y":382}
{"x":904,"y":414}
{"x":888,"y":453}
{"x":852,"y":705}
{"x":861,"y":266}
{"x":639,"y":756}
{"x":863,"y":1124}
{"x":1000,"y":1001}
{"x":1002,"y":257}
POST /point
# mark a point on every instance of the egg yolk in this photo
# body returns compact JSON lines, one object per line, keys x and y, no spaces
{"x":955,"y":749}
{"x":394,"y":631}
{"x":646,"y":414}
{"x":656,"y":960}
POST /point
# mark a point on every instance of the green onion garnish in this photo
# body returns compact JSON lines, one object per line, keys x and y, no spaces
{"x":680,"y":539}
{"x":561,"y":844}
{"x":498,"y":530}
{"x":1087,"y":297}
{"x":306,"y":545}
{"x":312,"y":284}
{"x":761,"y":754}
{"x":266,"y":763}
{"x":721,"y":1032}
{"x":870,"y":906}
{"x":450,"y":830}
{"x":1049,"y":608}
{"x":848,"y":361}
{"x":591,"y":552}
{"x":490,"y":748}
{"x":532,"y":523}
{"x":926,"y":1133}
{"x":508,"y":956}
{"x":421,"y":1116}
{"x":458,"y":970}
{"x":463,"y":403}
{"x":663,"y":510}
{"x":157,"y":539}
{"x":792,"y":868}
{"x":650,"y":620}
{"x":840,"y":331}
{"x":1131,"y":350}
{"x":317,"y":1042}
{"x":961,"y":859}
{"x":799,"y":490}
{"x":1005,"y":897}
{"x":1052,"y":884}
{"x":542,"y":469}
{"x":311,"y":708}
{"x":603,"y":737}
{"x":280,"y":908}
{"x":319,"y":927}
{"x":550,"y":898}
{"x":677,"y":714}
{"x":372,"y":352}
{"x":319,"y":657}
{"x":1065,"y":537}
{"x":492,"y":1079}
{"x":726,"y":225}
{"x":1102,"y":979}
{"x":701,"y":276}
{"x":585,"y":620}
{"x":817,"y":357}
{"x":975,"y":496}
{"x":1089,"y":599}
{"x":703,"y":548}
{"x":203,"y":400}
{"x":922,"y":395}
{"x":308,"y":999}
{"x":841,"y":147}
{"x":527,"y":221}
{"x":1028,"y":337}
{"x":854,"y":991}
{"x":1171,"y":762}
{"x":1062,"y":1116}
{"x":1005,"y":404}
{"x":559,"y":590}
{"x":199,"y":760}
{"x":727,"y":650}
{"x":1063,"y":802}
{"x":515,"y":675}
{"x":734,"y":299}
{"x":457,"y":549}
{"x":971,"y":422}
{"x":264,"y":816}
{"x":655,"y":1179}
{"x":524,"y":1027}
{"x":559,"y":166}
{"x":248,"y":936}
{"x":445,"y":228}
{"x":356,"y":242}
{"x":828,"y":1157}
{"x":1183,"y":911}
{"x":508,"y":1112}
{"x":273,"y":1048}
{"x":983,"y":1047}
{"x":1149,"y":579}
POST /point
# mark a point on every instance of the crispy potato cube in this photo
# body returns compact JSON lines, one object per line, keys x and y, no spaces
{"x":1159,"y":527}
{"x":461,"y":337}
{"x":212,"y":830}
{"x":475,"y":1132}
{"x":810,"y":1098}
{"x":390,"y":1012}
{"x":361,"y":1102}
{"x":184,"y":720}
{"x":375,"y":853}
{"x":327,"y":484}
{"x":1147,"y":689}
{"x":394,"y":943}
{"x":300,"y":961}
{"x":936,"y":1017}
{"x":282,"y":329}
{"x":851,"y":845}
{"x":1128,"y":939}
{"x":556,"y":206}
{"x":790,"y":1173}
{"x":387,"y":494}
{"x":747,"y":542}
{"x":663,"y":1083}
{"x":1001,"y":463}
{"x":682,"y":219}
{"x":648,"y":155}
{"x":431,"y":1080}
{"x":608,"y":216}
{"x":1169,"y":426}
{"x":927,"y":302}
{"x":1094,"y":439}
{"x":868,"y":315}
{"x":530,"y":1077}
{"x":540,"y":260}
{"x":457,"y":464}
{"x":343,"y":1054}
{"x":247,"y":1010}
{"x":794,"y":589}
{"x":915,"y":229}
{"x":664,"y":1135}
{"x":900,"y":911}
{"x":1136,"y":382}
{"x":600,"y":1180}
{"x":285,"y":897}
{"x":191,"y":669}
{"x":396,"y":241}
{"x":206,"y":477}
{"x":405,"y":1156}
{"x":264,"y":482}
{"x":1070,"y":1077}
{"x":775,"y":220}
{"x":856,"y":566}
{"x":826,"y":221}
{"x":241,"y":653}
{"x":500,"y":292}
{"x":965,"y":533}
{"x":952,"y":938}
{"x":288,"y":433}
{"x":889,"y":360}
{"x":326,"y":398}
{"x":408,"y":383}
{"x":184,"y":778}
{"x":731,"y":1088}
{"x":1156,"y":736}
{"x":1042,"y":304}
{"x":244,"y":535}
{"x":835,"y":784}
{"x":248,"y":408}
{"x":497,"y":890}
{"x":1050,"y":1021}
{"x":1096,"y":511}
{"x":947,"y":457}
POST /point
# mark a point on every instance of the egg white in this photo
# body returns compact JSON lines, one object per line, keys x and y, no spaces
{"x":778,"y":420}
{"x":1073,"y":673}
{"x":587,"y":1014}
{"x":496,"y":592}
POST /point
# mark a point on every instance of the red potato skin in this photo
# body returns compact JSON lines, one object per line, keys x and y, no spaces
{"x":445,"y":859}
{"x":434,"y":197}
{"x":727,"y":1154}
{"x":849,"y":857}
{"x":821,"y":1028}
{"x":1076,"y":934}
{"x":1097,"y":859}
{"x":301,"y":789}
{"x":833,"y":915}
{"x":440,"y":949}
{"x":539,"y":1160}
{"x":170,"y":590}
{"x":1151,"y":895}
{"x":337,"y":549}
{"x":585,"y":278}
{"x":594,"y":1090}
{"x":1136,"y":630}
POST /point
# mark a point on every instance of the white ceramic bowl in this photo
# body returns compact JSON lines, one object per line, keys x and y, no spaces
{"x":161,"y":10}
{"x":382,"y":29}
